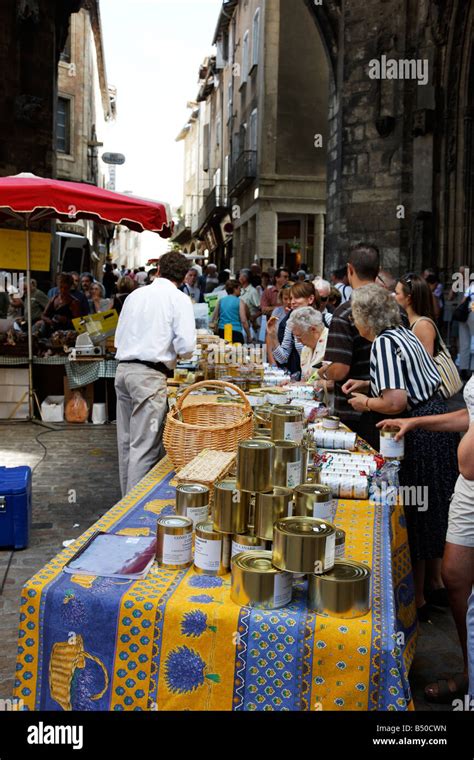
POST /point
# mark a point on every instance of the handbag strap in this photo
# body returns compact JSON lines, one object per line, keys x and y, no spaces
{"x":441,"y":344}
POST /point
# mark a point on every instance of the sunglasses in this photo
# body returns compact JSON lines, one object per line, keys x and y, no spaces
{"x":324,"y":298}
{"x":406,"y":280}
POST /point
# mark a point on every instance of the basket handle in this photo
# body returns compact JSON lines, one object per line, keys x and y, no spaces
{"x":221,"y":385}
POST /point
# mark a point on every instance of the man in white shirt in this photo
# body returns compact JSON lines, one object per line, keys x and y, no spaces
{"x":141,"y":277}
{"x":156,"y":326}
{"x":340,"y":282}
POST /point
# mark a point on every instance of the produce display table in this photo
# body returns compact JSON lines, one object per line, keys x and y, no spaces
{"x":175,"y":641}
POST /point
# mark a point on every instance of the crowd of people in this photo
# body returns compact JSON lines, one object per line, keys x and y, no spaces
{"x":374,"y":341}
{"x":74,"y":295}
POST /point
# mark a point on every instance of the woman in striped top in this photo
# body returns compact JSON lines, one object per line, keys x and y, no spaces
{"x":404,"y":381}
{"x":285,"y":348}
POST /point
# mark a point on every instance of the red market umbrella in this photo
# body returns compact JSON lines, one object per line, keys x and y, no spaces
{"x":34,"y":199}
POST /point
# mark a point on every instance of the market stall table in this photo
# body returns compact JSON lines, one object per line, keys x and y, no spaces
{"x":175,"y":641}
{"x":78,"y":373}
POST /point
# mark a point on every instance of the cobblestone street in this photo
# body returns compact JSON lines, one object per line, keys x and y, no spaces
{"x":84,"y":459}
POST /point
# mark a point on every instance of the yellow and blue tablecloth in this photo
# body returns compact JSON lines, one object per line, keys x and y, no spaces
{"x":175,"y":641}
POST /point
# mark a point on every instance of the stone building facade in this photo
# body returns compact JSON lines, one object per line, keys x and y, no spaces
{"x":400,"y":163}
{"x":393,"y":100}
{"x":32,"y":36}
{"x":85,"y":102}
{"x":259,"y":187}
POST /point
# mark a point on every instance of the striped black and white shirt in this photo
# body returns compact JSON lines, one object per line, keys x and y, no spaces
{"x":399,"y":361}
{"x":346,"y":346}
{"x":282,"y":352}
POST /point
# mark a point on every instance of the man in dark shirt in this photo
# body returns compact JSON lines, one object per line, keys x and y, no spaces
{"x":347,"y":351}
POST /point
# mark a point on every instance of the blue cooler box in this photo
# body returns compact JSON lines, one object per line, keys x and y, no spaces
{"x":15,"y":506}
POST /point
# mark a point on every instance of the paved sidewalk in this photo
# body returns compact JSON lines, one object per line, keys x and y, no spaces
{"x":84,"y":459}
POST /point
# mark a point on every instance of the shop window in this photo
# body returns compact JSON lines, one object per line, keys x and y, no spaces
{"x":63,"y":126}
{"x":256,"y":38}
{"x":245,"y":58}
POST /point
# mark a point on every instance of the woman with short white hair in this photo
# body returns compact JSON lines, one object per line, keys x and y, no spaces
{"x":308,"y":328}
{"x":404,"y":380}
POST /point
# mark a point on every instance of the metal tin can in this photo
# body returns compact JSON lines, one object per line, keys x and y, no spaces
{"x":211,"y":550}
{"x":340,"y":543}
{"x":255,"y":465}
{"x":314,"y":500}
{"x":246,"y":543}
{"x":287,"y":424}
{"x":304,"y":545}
{"x":335,"y":439}
{"x":257,"y":583}
{"x":331,"y":423}
{"x":261,"y":432}
{"x":270,"y":507}
{"x":192,"y":500}
{"x":288,"y":464}
{"x":346,"y":486}
{"x":391,"y":449}
{"x":174,"y":546}
{"x":344,"y":591}
{"x":231,"y":512}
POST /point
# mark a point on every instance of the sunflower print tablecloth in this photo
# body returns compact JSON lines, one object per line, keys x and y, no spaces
{"x":175,"y":641}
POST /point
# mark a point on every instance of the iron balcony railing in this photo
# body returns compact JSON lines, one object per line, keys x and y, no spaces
{"x":214,"y":200}
{"x":243,"y":171}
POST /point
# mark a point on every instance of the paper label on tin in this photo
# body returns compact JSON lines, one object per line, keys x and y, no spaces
{"x":207,"y":553}
{"x":177,"y":550}
{"x":226,"y":542}
{"x":293,"y":474}
{"x":237,"y":548}
{"x":391,"y":448}
{"x":197,"y":514}
{"x":340,"y":550}
{"x":283,"y":589}
{"x":293,"y":431}
{"x":361,"y":488}
{"x":324,"y":510}
{"x":330,"y":553}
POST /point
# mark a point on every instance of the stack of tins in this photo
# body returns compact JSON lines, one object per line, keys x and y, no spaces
{"x":269,"y":526}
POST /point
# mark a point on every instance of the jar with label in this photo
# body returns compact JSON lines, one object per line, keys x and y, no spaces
{"x":391,"y":449}
{"x":174,"y":542}
{"x":211,"y":550}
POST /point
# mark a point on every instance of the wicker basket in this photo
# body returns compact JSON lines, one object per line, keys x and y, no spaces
{"x":191,"y":427}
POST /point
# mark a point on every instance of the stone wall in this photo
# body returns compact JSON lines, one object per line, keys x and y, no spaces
{"x":389,"y":176}
{"x":32,"y":35}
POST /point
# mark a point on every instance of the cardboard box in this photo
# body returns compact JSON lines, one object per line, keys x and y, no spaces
{"x":13,"y":389}
{"x":7,"y":411}
{"x":52,"y":409}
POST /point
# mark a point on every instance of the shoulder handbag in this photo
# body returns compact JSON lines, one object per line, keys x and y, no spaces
{"x":451,"y":382}
{"x":461,"y":313}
